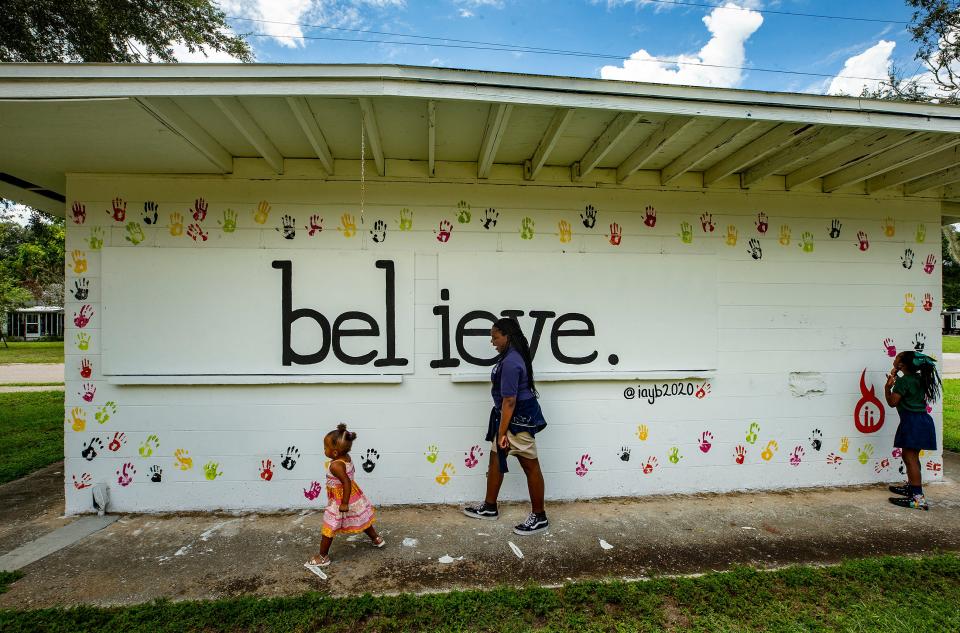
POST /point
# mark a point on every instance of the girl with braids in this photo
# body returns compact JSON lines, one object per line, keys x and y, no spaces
{"x":514,"y":420}
{"x":348,"y":509}
{"x":917,"y":385}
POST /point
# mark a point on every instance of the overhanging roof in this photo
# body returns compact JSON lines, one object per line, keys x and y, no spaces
{"x":65,"y":118}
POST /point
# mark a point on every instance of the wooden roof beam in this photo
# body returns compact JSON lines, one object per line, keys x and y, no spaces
{"x":780,"y":136}
{"x":660,"y":137}
{"x":813,"y":142}
{"x":558,"y":123}
{"x":714,"y":142}
{"x":497,"y":120}
{"x":614,"y":133}
{"x":915,"y":149}
{"x":431,"y":138}
{"x":373,"y":134}
{"x":939,"y":179}
{"x":241,"y":119}
{"x":165,"y":110}
{"x":915,"y":170}
{"x":308,"y":123}
{"x":851,"y":154}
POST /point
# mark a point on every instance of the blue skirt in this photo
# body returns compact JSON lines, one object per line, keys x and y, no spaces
{"x":916,"y":431}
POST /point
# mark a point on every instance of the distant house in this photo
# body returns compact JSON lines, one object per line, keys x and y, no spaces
{"x":35,"y":322}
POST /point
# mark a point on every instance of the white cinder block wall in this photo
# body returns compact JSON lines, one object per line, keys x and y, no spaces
{"x":822,"y":314}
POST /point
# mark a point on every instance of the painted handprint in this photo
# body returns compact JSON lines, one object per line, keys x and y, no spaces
{"x":583,"y":465}
{"x":835,"y":227}
{"x":739,"y":454}
{"x":706,"y":441}
{"x":119,"y":210}
{"x":266,"y":469}
{"x":566,"y":232}
{"x":86,"y":369}
{"x":862,"y":242}
{"x":288,"y":459}
{"x":95,"y":241}
{"x":149,"y":445}
{"x":490,"y":217}
{"x":881,"y":465}
{"x":934,"y":466}
{"x":103,"y":414}
{"x":176,"y":224}
{"x":81,"y":289}
{"x":927,"y":302}
{"x":702,"y":391}
{"x":463,"y":212}
{"x":431,"y":453}
{"x":890,"y":348}
{"x":119,"y":439}
{"x":315,"y":226}
{"x":921,"y":235}
{"x":79,"y":213}
{"x":706,"y":222}
{"x":156,"y":474}
{"x":752,"y":433}
{"x":906,"y":260}
{"x":229,"y":222}
{"x":796,"y":456}
{"x":784,"y":235}
{"x":348,"y":225}
{"x":83,"y":341}
{"x":445,"y":472}
{"x":405,"y":221}
{"x":473,"y":456}
{"x":643,"y":432}
{"x":125,"y":474}
{"x":844,"y":444}
{"x":624,"y":453}
{"x":85,"y":481}
{"x":200,"y":209}
{"x":370,"y":460}
{"x":930,"y":264}
{"x":816,"y":439}
{"x":313,"y":491}
{"x":865,"y":453}
{"x":769,"y":451}
{"x":834,"y":460}
{"x":288,"y":226}
{"x":616,"y":234}
{"x":183,"y":459}
{"x":762,"y":224}
{"x":589,"y":216}
{"x":526,"y":228}
{"x":731,"y":239}
{"x":888,"y":226}
{"x":150,"y":212}
{"x":754,"y":249}
{"x":89,"y":451}
{"x":87,"y":392}
{"x":443,"y":235}
{"x":211,"y":470}
{"x":806,"y":242}
{"x":686,"y":233}
{"x":196,"y":232}
{"x":650,"y":465}
{"x":78,"y":419}
{"x":919,"y":342}
{"x":135,"y":233}
{"x":82,"y":318}
{"x":674,"y":455}
{"x":650,"y":216}
{"x":262,"y":214}
{"x":79,"y":262}
{"x":379,"y":231}
{"x":909,"y":303}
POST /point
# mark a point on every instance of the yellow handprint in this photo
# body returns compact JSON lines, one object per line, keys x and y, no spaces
{"x":889,"y":228}
{"x":844,"y":444}
{"x":784,"y":235}
{"x":262,"y":213}
{"x":767,"y":453}
{"x":731,"y":235}
{"x":566,"y":232}
{"x":79,"y":261}
{"x":348,"y":225}
{"x":444,"y":475}
{"x":643,"y":432}
{"x":176,"y":224}
{"x":79,"y":421}
{"x":184,"y":462}
{"x":909,"y":303}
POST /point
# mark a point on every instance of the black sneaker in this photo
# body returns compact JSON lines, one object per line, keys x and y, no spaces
{"x":916,"y":502}
{"x":903,"y":491}
{"x":532,"y":525}
{"x":482,"y":511}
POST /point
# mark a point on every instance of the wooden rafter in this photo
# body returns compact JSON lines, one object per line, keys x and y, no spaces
{"x":714,"y":142}
{"x":432,"y":138}
{"x":554,"y":131}
{"x":939,"y":179}
{"x":173,"y":117}
{"x":915,"y":149}
{"x":311,"y":129}
{"x":813,"y":142}
{"x":241,"y":119}
{"x":497,"y":120}
{"x":944,"y":159}
{"x":373,"y":134}
{"x":612,"y":135}
{"x":667,"y":131}
{"x":779,"y":137}
{"x":849,"y":155}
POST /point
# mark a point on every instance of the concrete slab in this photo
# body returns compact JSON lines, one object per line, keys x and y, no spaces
{"x":951,"y":366}
{"x":54,"y":541}
{"x":31,"y":507}
{"x":140,"y":558}
{"x":27,"y":372}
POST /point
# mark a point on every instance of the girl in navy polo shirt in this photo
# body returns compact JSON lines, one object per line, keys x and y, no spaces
{"x":514,"y":420}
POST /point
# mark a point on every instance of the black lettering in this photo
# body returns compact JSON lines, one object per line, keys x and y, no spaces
{"x":444,"y":313}
{"x":288,"y":316}
{"x":339,"y":332}
{"x":556,"y":333}
{"x":391,"y":305}
{"x":541,"y":317}
{"x":463,"y":330}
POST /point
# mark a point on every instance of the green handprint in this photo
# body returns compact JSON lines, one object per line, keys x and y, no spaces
{"x":229,"y":223}
{"x":210,"y":470}
{"x":96,"y":238}
{"x":431,"y":453}
{"x":134,"y":233}
{"x":674,"y":455}
{"x":108,"y":409}
{"x":806,"y":242}
{"x":921,"y":233}
{"x":463,"y":212}
{"x":406,"y":219}
{"x":150,"y":444}
{"x":83,"y":341}
{"x":526,"y":228}
{"x":686,"y":233}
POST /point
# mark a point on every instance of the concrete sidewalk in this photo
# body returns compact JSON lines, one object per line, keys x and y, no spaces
{"x":140,"y":558}
{"x":30,"y":372}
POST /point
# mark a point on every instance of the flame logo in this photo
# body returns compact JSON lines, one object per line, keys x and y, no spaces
{"x":869,"y":413}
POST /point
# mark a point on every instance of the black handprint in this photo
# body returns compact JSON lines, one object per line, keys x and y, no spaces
{"x":150,"y":212}
{"x":370,"y":461}
{"x":835,"y":229}
{"x":625,"y":453}
{"x":81,"y":289}
{"x":490,"y":217}
{"x":589,"y":216}
{"x":289,"y":227}
{"x":919,"y":342}
{"x":290,"y":457}
{"x":907,"y":258}
{"x":89,"y":452}
{"x":156,"y":474}
{"x":755,"y":251}
{"x":379,"y":231}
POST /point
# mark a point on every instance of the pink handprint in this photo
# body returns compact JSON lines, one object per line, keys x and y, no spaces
{"x":195,"y":231}
{"x":200,"y":210}
{"x":761,"y":223}
{"x":583,"y":466}
{"x":890,"y":347}
{"x":706,"y":222}
{"x":931,"y":263}
{"x":443,"y":235}
{"x":706,"y":439}
{"x":796,"y":456}
{"x":86,"y":369}
{"x":125,"y":474}
{"x":616,"y":234}
{"x":650,"y":465}
{"x":739,"y":454}
{"x":702,"y":391}
{"x":927,"y":302}
{"x":897,"y":452}
{"x":315,"y":226}
{"x":650,"y":217}
{"x":119,"y":212}
{"x":83,"y":318}
{"x":89,"y":391}
{"x":471,"y":458}
{"x":79,"y":213}
{"x":862,"y":242}
{"x":313,"y":491}
{"x":119,"y":439}
{"x":85,"y":481}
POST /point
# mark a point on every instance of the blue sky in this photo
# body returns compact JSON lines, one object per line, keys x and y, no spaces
{"x":619,"y":28}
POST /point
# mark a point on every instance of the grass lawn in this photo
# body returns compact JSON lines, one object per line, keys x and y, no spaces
{"x":874,"y":594}
{"x":31,"y":425}
{"x":951,"y":344}
{"x":44,"y":353}
{"x":951,"y":415}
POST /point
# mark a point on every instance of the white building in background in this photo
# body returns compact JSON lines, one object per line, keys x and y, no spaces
{"x":714,"y":280}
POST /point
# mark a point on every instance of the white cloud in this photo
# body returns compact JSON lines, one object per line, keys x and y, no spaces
{"x":729,"y":32}
{"x":863,"y":71}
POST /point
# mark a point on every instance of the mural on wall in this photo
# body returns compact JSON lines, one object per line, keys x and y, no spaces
{"x":869,"y":412}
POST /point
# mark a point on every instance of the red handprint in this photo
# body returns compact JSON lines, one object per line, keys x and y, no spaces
{"x":443,"y":235}
{"x":934,"y":467}
{"x":200,"y":209}
{"x":583,"y":466}
{"x":650,"y":217}
{"x":834,"y":459}
{"x":890,"y":347}
{"x":705,"y":441}
{"x":266,"y":469}
{"x":119,"y":212}
{"x":650,"y":465}
{"x":195,"y":231}
{"x":125,"y":474}
{"x":315,"y":226}
{"x":862,"y":242}
{"x":82,"y":318}
{"x":616,"y":234}
{"x":927,"y":301}
{"x":89,"y":391}
{"x":739,"y":454}
{"x":897,"y":452}
{"x":86,"y":369}
{"x":79,"y":213}
{"x":931,"y":263}
{"x":471,"y":460}
{"x":119,"y":439}
{"x":761,"y":223}
{"x":796,"y":456}
{"x":706,"y":222}
{"x":881,"y":465}
{"x":313,"y":491}
{"x":85,"y":481}
{"x":703,"y":390}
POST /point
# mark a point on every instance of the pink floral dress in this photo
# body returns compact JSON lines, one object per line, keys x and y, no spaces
{"x":358,"y":518}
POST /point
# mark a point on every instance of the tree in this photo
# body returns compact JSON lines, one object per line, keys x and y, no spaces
{"x":32,"y":256}
{"x":108,"y":31}
{"x":950,"y":251}
{"x":11,"y":298}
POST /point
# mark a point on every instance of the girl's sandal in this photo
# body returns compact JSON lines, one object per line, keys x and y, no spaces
{"x":380,"y":542}
{"x":318,"y":561}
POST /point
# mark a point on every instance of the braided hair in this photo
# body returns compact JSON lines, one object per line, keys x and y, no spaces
{"x":925,"y":369}
{"x":511,"y":329}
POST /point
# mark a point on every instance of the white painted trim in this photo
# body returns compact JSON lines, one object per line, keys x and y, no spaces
{"x":598,"y":375}
{"x":241,"y":119}
{"x":311,"y":129}
{"x":373,"y":134}
{"x":179,"y":122}
{"x":248,"y":379}
{"x":432,"y":138}
{"x":552,"y":134}
{"x":497,"y":121}
{"x":607,"y":140}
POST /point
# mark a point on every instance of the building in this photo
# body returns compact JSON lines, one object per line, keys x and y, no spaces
{"x":714,"y":280}
{"x":35,"y":323}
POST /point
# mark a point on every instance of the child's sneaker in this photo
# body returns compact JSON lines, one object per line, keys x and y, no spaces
{"x":916,"y":502}
{"x":482,"y":511}
{"x":903,"y":491}
{"x":532,"y":525}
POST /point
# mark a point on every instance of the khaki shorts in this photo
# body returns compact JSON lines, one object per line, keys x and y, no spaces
{"x":522,"y":445}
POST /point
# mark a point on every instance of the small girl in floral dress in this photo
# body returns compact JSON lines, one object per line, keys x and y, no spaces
{"x":348,"y":509}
